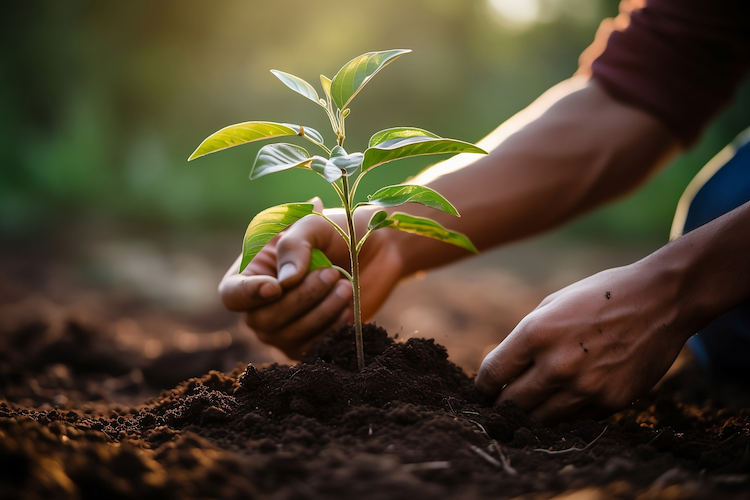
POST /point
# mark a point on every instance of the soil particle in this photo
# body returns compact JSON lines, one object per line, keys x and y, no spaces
{"x":410,"y":425}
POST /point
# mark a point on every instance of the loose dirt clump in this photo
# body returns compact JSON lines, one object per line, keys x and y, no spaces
{"x":409,"y":426}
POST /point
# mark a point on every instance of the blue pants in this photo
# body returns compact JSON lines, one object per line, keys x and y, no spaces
{"x":723,"y":347}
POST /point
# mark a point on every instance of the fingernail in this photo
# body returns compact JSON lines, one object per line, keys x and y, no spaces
{"x":344,"y":290}
{"x":269,"y":290}
{"x":287,"y":271}
{"x":329,"y":276}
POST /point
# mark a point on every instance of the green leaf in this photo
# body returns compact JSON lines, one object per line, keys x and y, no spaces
{"x":277,"y":157}
{"x":356,"y":73}
{"x":308,"y":132}
{"x":393,"y":196}
{"x":379,"y":220}
{"x":399,"y":133}
{"x":268,"y":224}
{"x":298,"y":85}
{"x":325,"y":168}
{"x":318,"y":260}
{"x":395,"y":149}
{"x":326,"y":83}
{"x":242,"y":133}
{"x":430,"y":229}
{"x":347,"y":162}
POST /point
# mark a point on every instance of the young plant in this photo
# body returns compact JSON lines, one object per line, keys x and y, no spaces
{"x":342,"y":170}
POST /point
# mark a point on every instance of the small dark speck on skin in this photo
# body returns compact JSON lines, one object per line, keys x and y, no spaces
{"x":608,"y":295}
{"x":584,"y":349}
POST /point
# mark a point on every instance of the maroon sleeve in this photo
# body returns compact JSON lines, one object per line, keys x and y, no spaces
{"x":679,"y":60}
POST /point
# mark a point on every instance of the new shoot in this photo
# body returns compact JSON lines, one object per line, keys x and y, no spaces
{"x":342,"y":170}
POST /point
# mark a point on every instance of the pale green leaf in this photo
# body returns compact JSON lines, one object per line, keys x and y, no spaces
{"x":318,"y":260}
{"x":277,"y":157}
{"x":297,"y":84}
{"x":242,"y":133}
{"x":430,"y":229}
{"x":325,"y":168}
{"x":356,"y":73}
{"x":307,"y":132}
{"x":379,"y":220}
{"x":326,"y":83}
{"x":268,"y":224}
{"x":395,"y":149}
{"x":344,"y":161}
{"x":399,"y":133}
{"x":393,"y":196}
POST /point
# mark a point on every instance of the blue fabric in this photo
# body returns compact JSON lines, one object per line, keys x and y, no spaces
{"x":723,"y":347}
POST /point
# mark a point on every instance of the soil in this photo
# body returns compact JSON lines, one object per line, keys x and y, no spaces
{"x":73,"y":424}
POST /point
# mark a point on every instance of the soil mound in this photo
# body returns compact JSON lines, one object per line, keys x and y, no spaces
{"x":410,"y":425}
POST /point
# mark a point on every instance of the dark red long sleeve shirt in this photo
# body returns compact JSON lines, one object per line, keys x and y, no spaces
{"x":679,"y":60}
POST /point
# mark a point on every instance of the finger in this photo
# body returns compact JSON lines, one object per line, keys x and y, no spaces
{"x":294,"y":247}
{"x":503,"y":363}
{"x":295,"y":338}
{"x":309,"y":295}
{"x":317,"y":203}
{"x":240,"y":293}
{"x":529,"y":390}
{"x":562,"y":405}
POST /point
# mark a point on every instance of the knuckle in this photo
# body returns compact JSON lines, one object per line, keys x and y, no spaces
{"x":289,"y":243}
{"x":559,"y":370}
{"x":261,"y":319}
{"x":534,"y":330}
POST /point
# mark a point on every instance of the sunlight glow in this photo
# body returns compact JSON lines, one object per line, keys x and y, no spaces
{"x":520,"y":13}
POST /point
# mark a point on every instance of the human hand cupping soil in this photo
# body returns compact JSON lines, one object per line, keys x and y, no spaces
{"x":288,"y":307}
{"x":591,"y":348}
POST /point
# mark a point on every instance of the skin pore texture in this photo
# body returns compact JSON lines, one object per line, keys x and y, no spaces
{"x":587,"y":350}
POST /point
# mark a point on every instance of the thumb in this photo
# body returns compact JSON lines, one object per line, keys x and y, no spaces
{"x":295,"y":244}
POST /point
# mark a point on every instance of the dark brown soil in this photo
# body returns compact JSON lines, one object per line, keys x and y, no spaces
{"x":410,"y":426}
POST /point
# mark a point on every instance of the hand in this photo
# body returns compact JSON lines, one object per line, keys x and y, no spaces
{"x":591,"y":348}
{"x":289,"y":308}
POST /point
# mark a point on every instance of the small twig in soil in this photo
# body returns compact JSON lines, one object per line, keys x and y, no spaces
{"x":729,"y":438}
{"x":655,"y":437}
{"x":574,"y":448}
{"x":484,"y":431}
{"x":470,"y":412}
{"x":484,"y":455}
{"x":425,"y":466}
{"x":504,"y":459}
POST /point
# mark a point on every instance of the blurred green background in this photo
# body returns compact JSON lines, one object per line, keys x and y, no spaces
{"x":102,"y":102}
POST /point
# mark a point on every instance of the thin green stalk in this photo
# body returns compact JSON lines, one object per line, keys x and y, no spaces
{"x":336,"y":226}
{"x":355,"y":186}
{"x":354,"y":254}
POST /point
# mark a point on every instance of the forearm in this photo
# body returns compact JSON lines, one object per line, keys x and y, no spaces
{"x":570,"y":151}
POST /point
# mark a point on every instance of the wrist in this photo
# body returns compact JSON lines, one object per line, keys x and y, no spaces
{"x":665,"y":276}
{"x":708,"y":268}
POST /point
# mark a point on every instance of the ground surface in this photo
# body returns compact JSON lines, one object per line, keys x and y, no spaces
{"x":81,"y":415}
{"x":409,"y":426}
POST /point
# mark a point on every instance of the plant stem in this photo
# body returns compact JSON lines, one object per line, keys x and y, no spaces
{"x":354,"y":254}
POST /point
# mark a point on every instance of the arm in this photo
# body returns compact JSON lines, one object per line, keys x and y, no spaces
{"x":628,"y":325}
{"x":569,"y":151}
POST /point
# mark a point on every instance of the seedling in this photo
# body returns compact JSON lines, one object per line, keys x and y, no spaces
{"x":342,"y":170}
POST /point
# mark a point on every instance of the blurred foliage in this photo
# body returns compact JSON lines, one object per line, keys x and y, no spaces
{"x":102,"y":102}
